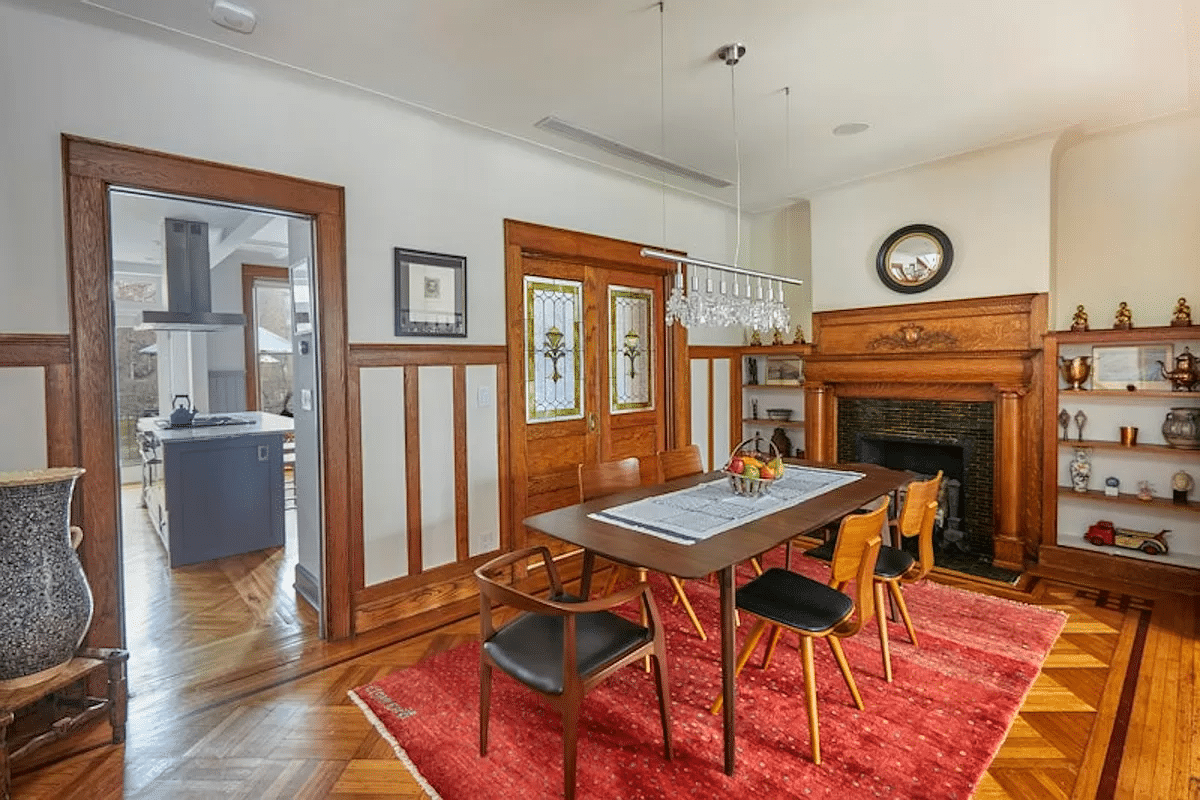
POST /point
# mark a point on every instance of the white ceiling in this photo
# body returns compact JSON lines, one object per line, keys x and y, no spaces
{"x":932,"y":77}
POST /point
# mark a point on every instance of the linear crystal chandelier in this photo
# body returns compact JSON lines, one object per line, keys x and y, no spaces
{"x":728,"y":295}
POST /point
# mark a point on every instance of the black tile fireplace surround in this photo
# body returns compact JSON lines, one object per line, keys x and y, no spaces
{"x":925,"y":436}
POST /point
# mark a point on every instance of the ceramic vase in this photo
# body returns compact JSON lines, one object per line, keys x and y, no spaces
{"x":1181,"y":428}
{"x":45,"y":599}
{"x":1081,"y":471}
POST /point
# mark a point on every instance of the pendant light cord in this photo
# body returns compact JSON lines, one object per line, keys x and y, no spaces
{"x":737,"y":154}
{"x":662,"y":110}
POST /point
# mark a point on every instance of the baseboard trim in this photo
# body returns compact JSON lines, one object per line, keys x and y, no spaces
{"x":307,"y":587}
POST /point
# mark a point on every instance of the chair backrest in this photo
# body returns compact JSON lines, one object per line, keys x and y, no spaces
{"x":854,"y":556}
{"x":677,"y":463}
{"x":608,"y":477}
{"x":919,"y":494}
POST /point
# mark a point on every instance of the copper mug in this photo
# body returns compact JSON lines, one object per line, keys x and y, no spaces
{"x":1128,"y":436}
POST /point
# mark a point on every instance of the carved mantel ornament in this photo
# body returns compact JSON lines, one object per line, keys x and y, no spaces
{"x":913,"y":337}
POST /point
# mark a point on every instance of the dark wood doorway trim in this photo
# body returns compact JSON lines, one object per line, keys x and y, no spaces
{"x":250,"y":274}
{"x":527,"y":239}
{"x":89,"y":169}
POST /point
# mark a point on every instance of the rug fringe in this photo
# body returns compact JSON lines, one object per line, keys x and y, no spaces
{"x":400,"y":752}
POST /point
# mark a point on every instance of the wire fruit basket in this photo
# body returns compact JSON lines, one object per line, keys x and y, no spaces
{"x":751,"y":468}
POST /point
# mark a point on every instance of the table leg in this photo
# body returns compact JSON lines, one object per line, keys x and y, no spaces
{"x":585,"y":576}
{"x":728,"y":632}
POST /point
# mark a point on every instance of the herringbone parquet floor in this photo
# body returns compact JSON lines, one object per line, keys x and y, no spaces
{"x":233,"y":696}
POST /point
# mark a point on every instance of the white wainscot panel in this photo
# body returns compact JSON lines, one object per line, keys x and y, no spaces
{"x":483,"y":461}
{"x":722,"y":437}
{"x":385,"y":516}
{"x":438,"y":532}
{"x":701,"y":392}
{"x":23,"y":397}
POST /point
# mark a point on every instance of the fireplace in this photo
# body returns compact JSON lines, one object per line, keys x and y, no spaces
{"x":925,"y":437}
{"x":950,"y":385}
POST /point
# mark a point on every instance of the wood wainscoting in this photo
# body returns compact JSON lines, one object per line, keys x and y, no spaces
{"x":426,"y":596}
{"x":986,"y":349}
{"x":52,"y":354}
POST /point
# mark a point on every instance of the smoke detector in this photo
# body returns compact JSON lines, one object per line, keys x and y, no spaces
{"x":232,"y":16}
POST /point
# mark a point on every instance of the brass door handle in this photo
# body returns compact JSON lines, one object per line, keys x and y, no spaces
{"x":591,"y":421}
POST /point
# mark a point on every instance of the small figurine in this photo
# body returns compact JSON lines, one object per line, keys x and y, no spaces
{"x":1124,"y":318}
{"x":1112,"y":487}
{"x":1064,"y":419}
{"x":1145,"y":491}
{"x":799,"y":337}
{"x":754,"y":409}
{"x":1181,"y":485}
{"x":752,"y":372}
{"x":1079,"y":323}
{"x":756,"y":339}
{"x":1081,"y":470}
{"x":778,"y":337}
{"x":1080,"y":421}
{"x":1182,"y":315}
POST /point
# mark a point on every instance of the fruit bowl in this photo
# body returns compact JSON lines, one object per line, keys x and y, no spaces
{"x":751,"y":469}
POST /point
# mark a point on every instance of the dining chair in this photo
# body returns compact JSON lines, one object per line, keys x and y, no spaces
{"x":782,"y":599}
{"x":895,"y":566}
{"x":562,"y":647}
{"x":608,"y":477}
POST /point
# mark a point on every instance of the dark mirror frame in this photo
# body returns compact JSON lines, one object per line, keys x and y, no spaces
{"x":882,"y":258}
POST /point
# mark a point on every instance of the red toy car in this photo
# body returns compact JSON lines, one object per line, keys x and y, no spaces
{"x":1103,"y":533}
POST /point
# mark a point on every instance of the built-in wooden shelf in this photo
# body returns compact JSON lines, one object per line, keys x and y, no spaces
{"x":777,"y":350}
{"x":1158,"y":503}
{"x":1164,"y":333}
{"x":1140,"y":449}
{"x":774,"y":423}
{"x":791,"y":386}
{"x":1085,"y":394}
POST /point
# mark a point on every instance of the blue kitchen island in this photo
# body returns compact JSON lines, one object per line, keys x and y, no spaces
{"x":214,"y":488}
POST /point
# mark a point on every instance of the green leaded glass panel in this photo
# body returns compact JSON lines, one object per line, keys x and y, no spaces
{"x":553,"y":349}
{"x":630,"y":349}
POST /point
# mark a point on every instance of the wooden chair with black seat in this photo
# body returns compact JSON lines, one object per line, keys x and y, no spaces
{"x":895,"y":566}
{"x":609,"y":477}
{"x":561,"y":647}
{"x":784,"y":600}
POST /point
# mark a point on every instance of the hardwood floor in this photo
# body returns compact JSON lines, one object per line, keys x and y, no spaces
{"x":232,"y":695}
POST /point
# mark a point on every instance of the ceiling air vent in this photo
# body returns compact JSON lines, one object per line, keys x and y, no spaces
{"x":577,"y":134}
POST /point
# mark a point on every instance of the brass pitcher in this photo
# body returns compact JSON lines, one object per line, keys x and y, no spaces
{"x":1075,"y":371}
{"x":1186,"y":375}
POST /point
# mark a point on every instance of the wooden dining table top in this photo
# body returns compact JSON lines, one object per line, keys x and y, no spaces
{"x":572,"y":524}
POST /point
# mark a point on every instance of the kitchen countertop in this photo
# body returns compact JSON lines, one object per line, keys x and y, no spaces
{"x":258,"y":422}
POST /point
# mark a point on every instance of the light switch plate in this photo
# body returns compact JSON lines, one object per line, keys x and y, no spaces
{"x":306,"y":399}
{"x":484,"y":397}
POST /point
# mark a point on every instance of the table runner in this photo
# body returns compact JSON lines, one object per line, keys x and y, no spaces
{"x":694,"y":514}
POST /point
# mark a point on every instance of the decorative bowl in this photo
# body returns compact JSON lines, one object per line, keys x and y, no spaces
{"x":782,"y":414}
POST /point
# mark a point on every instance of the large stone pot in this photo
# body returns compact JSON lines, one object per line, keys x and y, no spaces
{"x":1181,"y":428}
{"x":45,"y":600}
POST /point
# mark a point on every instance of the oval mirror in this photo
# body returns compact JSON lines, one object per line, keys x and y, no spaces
{"x":914,"y":258}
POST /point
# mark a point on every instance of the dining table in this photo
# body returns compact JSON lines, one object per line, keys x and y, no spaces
{"x":718,"y":554}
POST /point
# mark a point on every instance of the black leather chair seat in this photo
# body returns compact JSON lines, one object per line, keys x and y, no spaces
{"x":892,"y":563}
{"x":794,"y":600}
{"x":531,"y":647}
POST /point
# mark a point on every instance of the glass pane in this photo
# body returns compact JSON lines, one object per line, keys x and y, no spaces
{"x":630,"y":349}
{"x":553,"y":349}
{"x":273,"y":337}
{"x":137,"y":387}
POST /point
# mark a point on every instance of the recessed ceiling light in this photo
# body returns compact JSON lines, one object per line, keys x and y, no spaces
{"x":850,"y":128}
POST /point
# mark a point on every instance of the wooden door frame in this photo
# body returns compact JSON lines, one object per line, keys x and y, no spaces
{"x":90,"y":168}
{"x":523,"y":239}
{"x":250,"y":274}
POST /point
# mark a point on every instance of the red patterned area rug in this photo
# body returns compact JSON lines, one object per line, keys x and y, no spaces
{"x":930,"y":734}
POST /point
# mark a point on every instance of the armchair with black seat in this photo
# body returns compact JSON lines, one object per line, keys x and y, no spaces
{"x":561,"y":647}
{"x":782,"y":599}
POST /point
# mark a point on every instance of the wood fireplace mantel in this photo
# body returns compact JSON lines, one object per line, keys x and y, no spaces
{"x":980,"y":349}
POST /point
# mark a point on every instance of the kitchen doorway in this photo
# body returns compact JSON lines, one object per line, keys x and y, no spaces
{"x":219,"y":548}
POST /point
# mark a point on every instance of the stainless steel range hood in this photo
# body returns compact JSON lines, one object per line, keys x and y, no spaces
{"x":189,"y":283}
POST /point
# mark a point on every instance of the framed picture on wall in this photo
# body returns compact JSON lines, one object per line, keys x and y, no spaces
{"x":431,"y":293}
{"x":1131,"y":368}
{"x":783,"y":371}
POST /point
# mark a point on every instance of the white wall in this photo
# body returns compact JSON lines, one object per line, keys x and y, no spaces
{"x":1128,"y":223}
{"x":994,"y":205}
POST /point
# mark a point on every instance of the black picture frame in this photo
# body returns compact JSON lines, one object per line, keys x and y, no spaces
{"x":431,"y":293}
{"x":893,"y":276}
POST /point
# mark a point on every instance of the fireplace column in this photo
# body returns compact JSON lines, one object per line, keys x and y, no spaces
{"x":1009,"y":552}
{"x":820,"y":444}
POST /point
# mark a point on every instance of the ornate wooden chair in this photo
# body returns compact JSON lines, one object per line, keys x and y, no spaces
{"x":786,"y":600}
{"x":609,"y":477}
{"x":561,"y":647}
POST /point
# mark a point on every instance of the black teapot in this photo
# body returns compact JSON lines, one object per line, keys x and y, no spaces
{"x":182,"y":411}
